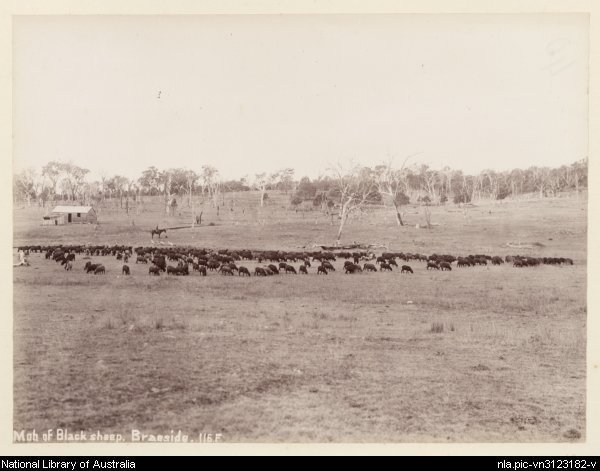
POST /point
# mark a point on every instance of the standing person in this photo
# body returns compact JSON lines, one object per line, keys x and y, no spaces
{"x":22,"y":260}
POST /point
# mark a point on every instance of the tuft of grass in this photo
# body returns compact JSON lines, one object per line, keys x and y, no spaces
{"x":437,"y":328}
{"x":159,"y":323}
{"x":109,"y":324}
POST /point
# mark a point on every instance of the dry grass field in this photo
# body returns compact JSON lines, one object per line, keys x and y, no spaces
{"x":482,"y":354}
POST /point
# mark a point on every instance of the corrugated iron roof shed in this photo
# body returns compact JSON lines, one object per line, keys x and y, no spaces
{"x":72,"y":209}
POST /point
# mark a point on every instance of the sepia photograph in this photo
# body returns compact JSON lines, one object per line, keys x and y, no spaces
{"x":300,"y":228}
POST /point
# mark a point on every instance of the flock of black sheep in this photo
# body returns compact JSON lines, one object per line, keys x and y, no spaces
{"x":224,"y":261}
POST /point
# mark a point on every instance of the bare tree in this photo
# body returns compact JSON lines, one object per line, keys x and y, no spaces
{"x":446,"y":176}
{"x":119,"y":183}
{"x":52,"y":171}
{"x":427,"y":213}
{"x":393,"y":183}
{"x":131,"y":189}
{"x":41,"y":189}
{"x":516,"y":180}
{"x":25,"y":184}
{"x":493,"y":184}
{"x":73,"y":178}
{"x":94,"y":191}
{"x":286,"y":179}
{"x":211,"y":183}
{"x":476,"y":181}
{"x":262,"y":182}
{"x":539,"y":177}
{"x":353,"y":188}
{"x":149,"y":182}
{"x":429,"y":180}
{"x":165,"y":177}
{"x":191,"y":179}
{"x":578,"y":174}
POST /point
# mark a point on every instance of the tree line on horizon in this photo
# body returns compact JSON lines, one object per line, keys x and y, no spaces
{"x":65,"y":181}
{"x":344,"y":189}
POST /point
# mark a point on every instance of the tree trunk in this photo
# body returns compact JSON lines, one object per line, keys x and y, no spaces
{"x":341,"y":228}
{"x":427,"y":216}
{"x":343,"y":217}
{"x":193,"y":212}
{"x":398,"y":216}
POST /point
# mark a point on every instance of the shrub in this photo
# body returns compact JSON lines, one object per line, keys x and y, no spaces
{"x":502,"y":193}
{"x":295,"y":200}
{"x":462,"y":197}
{"x":402,"y":199}
{"x":437,"y":328}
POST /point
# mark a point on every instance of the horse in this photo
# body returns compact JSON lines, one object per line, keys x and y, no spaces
{"x":158,"y":232}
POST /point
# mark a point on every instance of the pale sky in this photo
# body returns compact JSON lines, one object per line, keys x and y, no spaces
{"x":259,"y":93}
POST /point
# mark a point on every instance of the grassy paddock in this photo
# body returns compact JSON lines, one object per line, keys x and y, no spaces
{"x":477,"y":354}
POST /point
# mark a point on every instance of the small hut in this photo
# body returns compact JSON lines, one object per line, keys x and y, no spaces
{"x":53,"y":220}
{"x":70,"y":214}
